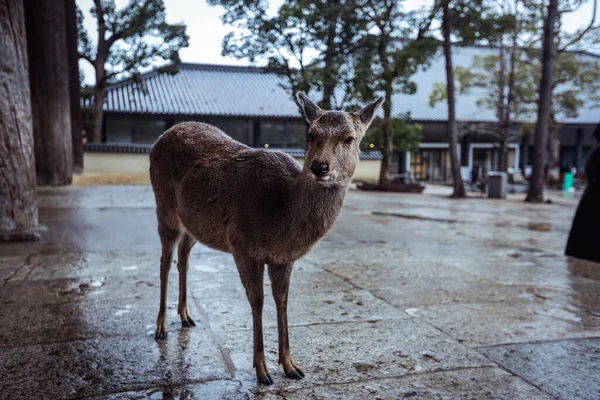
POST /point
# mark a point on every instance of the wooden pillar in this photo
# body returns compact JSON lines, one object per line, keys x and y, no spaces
{"x":18,"y":207}
{"x":50,"y":101}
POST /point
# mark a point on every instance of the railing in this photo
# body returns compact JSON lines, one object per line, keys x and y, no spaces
{"x":135,"y":148}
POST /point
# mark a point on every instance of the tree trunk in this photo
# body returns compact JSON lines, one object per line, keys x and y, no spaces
{"x":501,"y":105}
{"x":457,"y":182}
{"x":503,"y":155}
{"x":330,"y":75}
{"x":509,"y":101}
{"x":536,"y":183}
{"x":74,"y":89}
{"x":385,"y":174}
{"x":99,"y":95}
{"x":553,"y":153}
{"x":99,"y":62}
{"x":49,"y":79}
{"x":18,"y":207}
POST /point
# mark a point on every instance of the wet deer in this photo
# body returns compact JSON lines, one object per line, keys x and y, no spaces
{"x":258,"y":205}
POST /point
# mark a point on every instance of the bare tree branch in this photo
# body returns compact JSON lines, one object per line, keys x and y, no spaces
{"x":583,"y":32}
{"x":87,"y":58}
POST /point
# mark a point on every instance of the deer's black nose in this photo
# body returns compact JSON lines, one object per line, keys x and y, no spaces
{"x":319,"y":168}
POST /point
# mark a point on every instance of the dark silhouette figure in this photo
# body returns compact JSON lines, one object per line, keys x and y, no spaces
{"x":584,"y":239}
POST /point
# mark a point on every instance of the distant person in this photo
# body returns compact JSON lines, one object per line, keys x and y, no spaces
{"x":584,"y":240}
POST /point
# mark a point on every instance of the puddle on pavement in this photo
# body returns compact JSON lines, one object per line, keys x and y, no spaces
{"x":169,"y":394}
{"x":351,"y":242}
{"x":502,"y":224}
{"x":538,"y":226}
{"x":417,"y":217}
{"x":363,"y":367}
{"x":584,"y":269}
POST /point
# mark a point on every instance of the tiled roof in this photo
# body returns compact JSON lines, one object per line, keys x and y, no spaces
{"x":145,"y":149}
{"x":200,"y":89}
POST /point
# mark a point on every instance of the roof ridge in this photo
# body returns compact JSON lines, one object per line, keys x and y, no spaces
{"x":191,"y":66}
{"x":251,"y":68}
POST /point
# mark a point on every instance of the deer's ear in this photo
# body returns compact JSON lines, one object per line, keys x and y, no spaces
{"x":367,"y":113}
{"x":309,"y":108}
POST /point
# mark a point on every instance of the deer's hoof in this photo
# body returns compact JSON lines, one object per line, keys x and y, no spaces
{"x":295,"y":374}
{"x":292,"y":370}
{"x":160,"y":335}
{"x":265,"y":379}
{"x":188,"y":323}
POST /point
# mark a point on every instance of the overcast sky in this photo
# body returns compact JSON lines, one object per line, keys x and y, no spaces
{"x":206,"y":31}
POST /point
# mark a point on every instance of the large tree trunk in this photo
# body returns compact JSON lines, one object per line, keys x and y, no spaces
{"x":18,"y":208}
{"x":74,"y":89}
{"x":49,"y":79}
{"x":536,"y":183}
{"x":457,"y":182}
{"x":385,"y":174}
{"x":553,"y":153}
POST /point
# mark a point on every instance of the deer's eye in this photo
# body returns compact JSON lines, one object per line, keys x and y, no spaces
{"x":310,"y":137}
{"x":349,"y":140}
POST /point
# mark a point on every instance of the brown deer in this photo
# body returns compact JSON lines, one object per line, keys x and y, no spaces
{"x":258,"y":205}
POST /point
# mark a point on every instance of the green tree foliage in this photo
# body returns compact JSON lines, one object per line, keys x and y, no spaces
{"x":283,"y":41}
{"x":129,"y":40}
{"x":407,"y":135}
{"x":349,"y":49}
{"x":309,"y":41}
{"x":340,"y":25}
{"x":497,"y":77}
{"x":391,"y":51}
{"x":575,"y":83}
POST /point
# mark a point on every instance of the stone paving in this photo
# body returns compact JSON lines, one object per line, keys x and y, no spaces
{"x":409,"y":296}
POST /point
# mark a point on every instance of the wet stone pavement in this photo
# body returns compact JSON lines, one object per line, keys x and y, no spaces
{"x":409,"y":296}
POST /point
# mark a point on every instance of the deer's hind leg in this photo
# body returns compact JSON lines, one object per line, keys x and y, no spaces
{"x":168,"y":238}
{"x":280,"y":283}
{"x":183,"y":255}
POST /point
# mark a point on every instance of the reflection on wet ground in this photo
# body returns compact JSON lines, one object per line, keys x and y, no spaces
{"x":408,"y":296}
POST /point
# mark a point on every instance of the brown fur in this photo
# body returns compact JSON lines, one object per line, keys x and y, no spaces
{"x":256,"y":204}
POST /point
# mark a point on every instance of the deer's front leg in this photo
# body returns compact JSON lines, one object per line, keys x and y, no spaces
{"x":280,"y":282}
{"x":252,"y":275}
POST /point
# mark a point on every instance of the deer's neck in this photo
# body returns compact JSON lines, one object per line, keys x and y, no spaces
{"x":317,"y":206}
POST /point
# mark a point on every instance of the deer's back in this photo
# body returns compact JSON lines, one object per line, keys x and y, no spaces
{"x":218,"y":188}
{"x":187,"y":143}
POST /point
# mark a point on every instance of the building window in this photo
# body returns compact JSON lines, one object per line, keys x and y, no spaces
{"x":568,"y":158}
{"x":238,"y":129}
{"x":488,"y":159}
{"x":511,"y":155}
{"x":146,"y":131}
{"x":133,"y":129}
{"x":118,"y":128}
{"x":282,"y":133}
{"x":432,"y":165}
